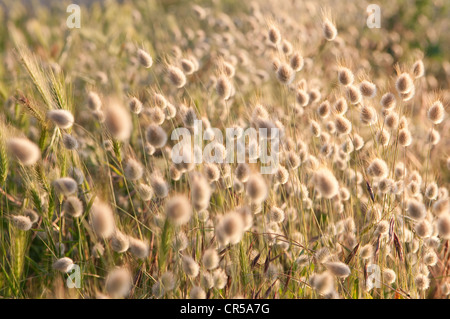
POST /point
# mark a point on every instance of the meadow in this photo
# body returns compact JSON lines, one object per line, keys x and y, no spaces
{"x":92,"y":204}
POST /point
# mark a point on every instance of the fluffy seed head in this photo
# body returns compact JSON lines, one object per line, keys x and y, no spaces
{"x":230,"y":228}
{"x":73,"y":206}
{"x":339,"y":269}
{"x":285,"y":74}
{"x":210,"y":259}
{"x":197,"y":293}
{"x":340,"y":106}
{"x":176,"y":76}
{"x":416,"y":210}
{"x":302,"y":97}
{"x":178,"y":210}
{"x":138,"y":248}
{"x":343,"y":125}
{"x":156,"y":136}
{"x":345,"y":76}
{"x":329,"y":30}
{"x":118,"y":282}
{"x":22,"y":222}
{"x":296,"y":62}
{"x":187,"y":66}
{"x":135,"y":105}
{"x":422,"y":282}
{"x":144,"y":58}
{"x":366,"y":251}
{"x":102,"y":219}
{"x":368,"y":89}
{"x":256,"y":188}
{"x":32,"y":215}
{"x":435,"y":113}
{"x":432,"y":191}
{"x":368,"y":115}
{"x":159,"y":185}
{"x":325,"y":183}
{"x":443,"y":226}
{"x":65,"y":186}
{"x":353,"y":94}
{"x":404,"y":137}
{"x":378,"y":168}
{"x":119,"y":242}
{"x":118,"y":122}
{"x":70,"y":142}
{"x":389,"y":276}
{"x":274,"y":34}
{"x":190,"y":267}
{"x":133,"y":170}
{"x":93,"y":101}
{"x":418,"y":69}
{"x":200,"y":192}
{"x":145,"y":191}
{"x":391,"y":120}
{"x":223,"y":87}
{"x":61,"y":118}
{"x":388,"y":101}
{"x":404,"y":83}
{"x":242,"y":172}
{"x":63,"y":264}
{"x":24,"y":150}
{"x":423,"y":229}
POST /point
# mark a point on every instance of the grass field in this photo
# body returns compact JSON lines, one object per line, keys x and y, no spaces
{"x":356,"y":207}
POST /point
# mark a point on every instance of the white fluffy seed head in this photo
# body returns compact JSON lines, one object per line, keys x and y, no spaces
{"x":25,"y":151}
{"x":31,"y":214}
{"x":210,"y":259}
{"x":118,"y":121}
{"x":190,"y":267}
{"x":416,"y":210}
{"x":256,"y":188}
{"x":338,"y":269}
{"x":345,"y":76}
{"x":353,"y":94}
{"x":133,"y":170}
{"x":388,"y":101}
{"x":118,"y":283}
{"x":325,"y":183}
{"x":119,"y":242}
{"x":176,"y":76}
{"x":156,"y":136}
{"x":368,"y":89}
{"x":63,"y":264}
{"x":61,"y":118}
{"x":93,"y":101}
{"x":102,"y":219}
{"x":404,"y":83}
{"x":65,"y":186}
{"x":22,"y":222}
{"x":73,"y":206}
{"x":329,"y":30}
{"x":443,"y":226}
{"x":197,"y":293}
{"x":230,"y":228}
{"x":436,"y":112}
{"x":138,"y":248}
{"x":135,"y":105}
{"x":159,"y":185}
{"x":144,"y":58}
{"x":378,"y":168}
{"x":178,"y":210}
{"x":422,"y":282}
{"x":418,"y":69}
{"x":389,"y":276}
